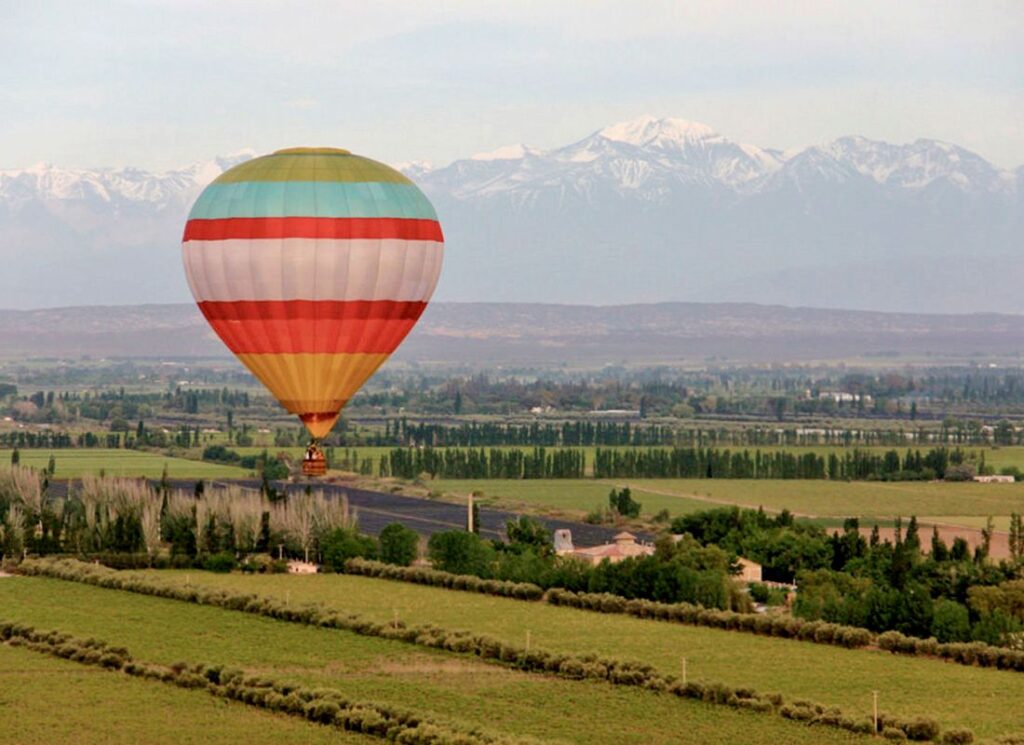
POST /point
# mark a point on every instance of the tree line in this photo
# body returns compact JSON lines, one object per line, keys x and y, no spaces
{"x":547,"y":434}
{"x":716,"y":463}
{"x":682,"y":463}
{"x":473,"y":463}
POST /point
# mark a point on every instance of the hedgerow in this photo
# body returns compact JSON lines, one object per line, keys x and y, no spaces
{"x":437,"y":578}
{"x":328,"y":707}
{"x":785,"y":627}
{"x":531,"y":660}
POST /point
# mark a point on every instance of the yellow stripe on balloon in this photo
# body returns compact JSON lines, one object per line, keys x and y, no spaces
{"x":306,"y":383}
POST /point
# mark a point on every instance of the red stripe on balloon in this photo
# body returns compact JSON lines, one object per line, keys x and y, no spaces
{"x":287,"y":310}
{"x":336,"y":334}
{"x":312,"y":227}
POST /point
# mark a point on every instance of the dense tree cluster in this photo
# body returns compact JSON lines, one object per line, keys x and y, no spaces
{"x":677,"y":572}
{"x":937,"y":590}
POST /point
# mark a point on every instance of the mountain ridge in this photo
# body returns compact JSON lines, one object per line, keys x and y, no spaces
{"x":643,"y":210}
{"x":522,"y":334}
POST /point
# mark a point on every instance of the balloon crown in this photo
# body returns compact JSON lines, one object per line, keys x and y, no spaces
{"x":312,"y":151}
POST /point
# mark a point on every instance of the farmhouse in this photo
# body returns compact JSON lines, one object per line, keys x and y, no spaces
{"x":994,"y":479}
{"x":750,"y":571}
{"x":624,"y":546}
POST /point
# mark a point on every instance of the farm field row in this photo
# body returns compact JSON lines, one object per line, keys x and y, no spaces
{"x":97,"y":707}
{"x":953,"y":694}
{"x":443,"y":685}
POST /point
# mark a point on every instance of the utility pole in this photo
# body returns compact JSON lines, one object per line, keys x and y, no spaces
{"x":469,"y":513}
{"x":874,"y":698}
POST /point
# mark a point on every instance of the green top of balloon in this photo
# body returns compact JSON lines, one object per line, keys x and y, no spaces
{"x":313,"y":151}
{"x":312,"y":164}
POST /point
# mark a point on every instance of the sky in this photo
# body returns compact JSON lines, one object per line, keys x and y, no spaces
{"x":162,"y":84}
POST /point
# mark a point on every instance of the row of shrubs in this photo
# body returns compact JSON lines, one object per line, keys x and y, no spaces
{"x":328,"y":707}
{"x":220,"y":562}
{"x":448,"y":580}
{"x":487,"y":648}
{"x":785,"y":627}
{"x":965,"y":653}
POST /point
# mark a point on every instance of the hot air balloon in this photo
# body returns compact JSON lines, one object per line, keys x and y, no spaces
{"x":312,"y":265}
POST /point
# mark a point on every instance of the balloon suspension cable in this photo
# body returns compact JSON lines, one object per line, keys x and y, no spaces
{"x":314,"y":462}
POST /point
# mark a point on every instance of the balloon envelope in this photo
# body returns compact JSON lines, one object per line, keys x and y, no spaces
{"x":312,"y":265}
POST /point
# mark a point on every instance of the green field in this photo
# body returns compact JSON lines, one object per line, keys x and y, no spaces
{"x":953,"y":694}
{"x":47,"y":701}
{"x":75,"y":462}
{"x":443,"y":685}
{"x":841,"y":499}
{"x":827,"y":499}
{"x":574,"y":497}
{"x":1000,"y":522}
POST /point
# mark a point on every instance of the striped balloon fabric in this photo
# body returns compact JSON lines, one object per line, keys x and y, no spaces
{"x":312,"y":265}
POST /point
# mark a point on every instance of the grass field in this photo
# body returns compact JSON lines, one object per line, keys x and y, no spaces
{"x":46,"y":701}
{"x":839,"y":499}
{"x":827,"y":499}
{"x":566,"y":496}
{"x":443,"y":685}
{"x":955,"y":695}
{"x":1000,"y":522}
{"x":73,"y":462}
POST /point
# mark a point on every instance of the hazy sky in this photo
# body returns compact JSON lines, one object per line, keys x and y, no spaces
{"x":162,"y":84}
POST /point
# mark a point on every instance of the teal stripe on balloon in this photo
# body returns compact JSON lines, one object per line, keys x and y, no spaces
{"x":311,"y":199}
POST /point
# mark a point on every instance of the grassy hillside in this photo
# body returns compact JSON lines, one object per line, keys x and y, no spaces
{"x":97,"y":707}
{"x":443,"y":685}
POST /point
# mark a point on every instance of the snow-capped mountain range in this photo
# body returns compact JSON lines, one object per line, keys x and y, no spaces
{"x":643,"y":210}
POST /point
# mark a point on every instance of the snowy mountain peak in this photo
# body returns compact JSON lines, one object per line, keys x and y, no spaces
{"x":916,"y":165}
{"x":508,"y":152}
{"x":649,"y":131}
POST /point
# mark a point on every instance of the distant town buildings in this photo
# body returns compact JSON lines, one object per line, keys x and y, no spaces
{"x":842,"y":397}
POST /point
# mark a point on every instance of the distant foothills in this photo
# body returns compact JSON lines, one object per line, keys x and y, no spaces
{"x":643,"y":210}
{"x":519,"y":335}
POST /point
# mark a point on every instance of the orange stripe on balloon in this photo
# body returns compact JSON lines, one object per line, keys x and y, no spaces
{"x":229,"y":228}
